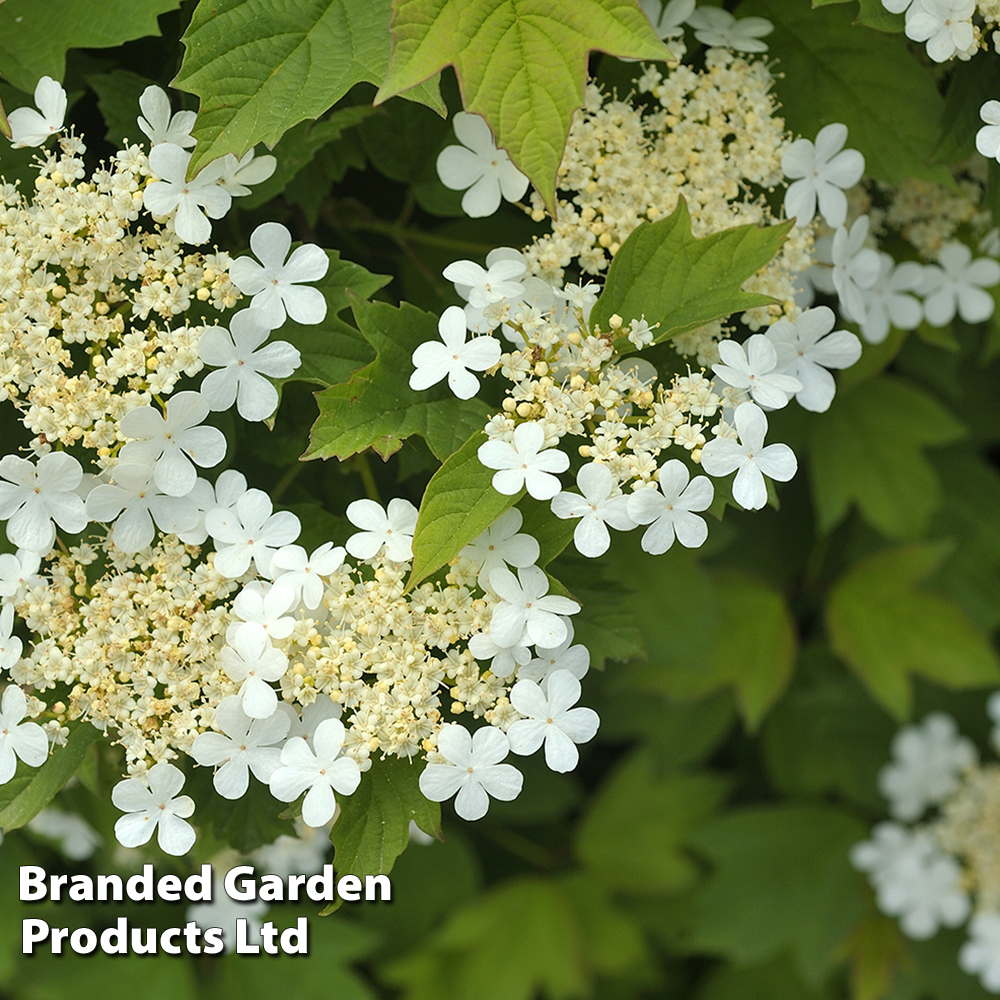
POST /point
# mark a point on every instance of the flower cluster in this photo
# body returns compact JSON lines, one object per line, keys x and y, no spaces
{"x":938,"y":860}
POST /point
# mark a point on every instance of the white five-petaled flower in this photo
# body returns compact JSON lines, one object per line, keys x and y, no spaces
{"x":275,"y":283}
{"x":959,"y":284}
{"x":10,"y":645}
{"x":524,"y":606}
{"x":266,"y":604}
{"x":244,"y":745}
{"x":173,"y":192}
{"x":155,"y":806}
{"x":820,"y":173}
{"x":241,"y":367}
{"x":504,"y":660}
{"x":715,"y":26}
{"x":28,"y":127}
{"x":293,"y":567}
{"x":320,"y":769}
{"x":481,"y":286}
{"x":988,"y":137}
{"x":478,"y":165}
{"x":18,"y":571}
{"x":754,"y":368}
{"x":393,"y":529}
{"x":806,"y":349}
{"x":34,"y":496}
{"x":565,"y":656}
{"x":453,"y":358}
{"x":248,"y":169}
{"x":473,"y":770}
{"x":136,"y":501}
{"x":752,"y":460}
{"x":228,"y":488}
{"x":945,"y":25}
{"x":667,"y":18}
{"x":249,"y":530}
{"x":551,"y":718}
{"x":501,"y":544}
{"x":173,"y":441}
{"x":158,"y":123}
{"x":251,"y":661}
{"x":597,"y":508}
{"x":980,"y":955}
{"x":667,"y":507}
{"x":855,"y":267}
{"x":887,"y":302}
{"x":524,"y":464}
{"x":26,"y":740}
{"x":928,"y":761}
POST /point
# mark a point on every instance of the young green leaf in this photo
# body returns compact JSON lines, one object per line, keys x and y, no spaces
{"x":521,"y":64}
{"x":680,"y":281}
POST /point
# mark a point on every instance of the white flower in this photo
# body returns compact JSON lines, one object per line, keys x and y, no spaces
{"x":886,"y":302}
{"x":523,"y":464}
{"x":35,"y":496}
{"x":249,"y":169}
{"x":667,"y":18}
{"x":18,"y":571}
{"x":26,"y":740}
{"x":394,"y":529}
{"x":536,"y":296}
{"x":249,"y":531}
{"x":823,"y":172}
{"x":928,"y":762}
{"x":855,"y":267}
{"x":551,"y":718}
{"x":478,"y":165}
{"x":158,"y":124}
{"x":565,"y":656}
{"x":27,"y":126}
{"x":135,"y":500}
{"x":473,"y":770}
{"x":242,"y":367}
{"x":276,"y":286}
{"x":945,"y":25}
{"x":77,"y":839}
{"x":715,"y":26}
{"x":806,"y":349}
{"x":958,"y":284}
{"x":723,"y":455}
{"x":229,"y":487}
{"x":10,"y":644}
{"x":173,"y":441}
{"x":155,"y":806}
{"x":453,"y":358}
{"x":244,"y":745}
{"x":266,"y":604}
{"x":597,"y":508}
{"x":504,"y":660}
{"x":175,"y":193}
{"x":980,"y":955}
{"x":988,"y":137}
{"x":500,"y":545}
{"x":481,"y":286}
{"x":913,"y":879}
{"x":667,"y":508}
{"x":640,"y":333}
{"x":294,"y":568}
{"x":524,"y":606}
{"x":250,"y":658}
{"x":753,"y":368}
{"x":313,"y":714}
{"x":323,"y":772}
{"x":580,"y":297}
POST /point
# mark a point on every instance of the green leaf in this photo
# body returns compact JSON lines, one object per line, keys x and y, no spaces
{"x":777,"y":980}
{"x":333,"y":350}
{"x":885,"y":627}
{"x":552,"y":533}
{"x":374,"y":824}
{"x":837,"y":72}
{"x":458,"y":505}
{"x":680,"y":281}
{"x":868,"y":450}
{"x":4,"y":124}
{"x":607,"y":625}
{"x":22,"y":798}
{"x":261,"y":67}
{"x":782,"y":881}
{"x":872,"y":14}
{"x":521,"y":64}
{"x":34,"y":36}
{"x":377,"y":408}
{"x":972,"y":84}
{"x":118,"y":94}
{"x":632,"y":835}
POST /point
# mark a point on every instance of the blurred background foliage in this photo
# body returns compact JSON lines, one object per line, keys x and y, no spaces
{"x":749,"y":690}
